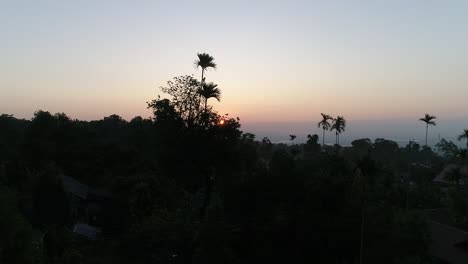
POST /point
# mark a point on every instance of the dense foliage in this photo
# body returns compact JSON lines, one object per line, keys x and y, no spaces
{"x":188,"y":186}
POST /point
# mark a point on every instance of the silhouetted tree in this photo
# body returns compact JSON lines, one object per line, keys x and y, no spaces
{"x":209,"y":90}
{"x":51,"y":204}
{"x":448,"y":149}
{"x":325,"y":124}
{"x":429,"y":120}
{"x":312,"y":145}
{"x":292,"y":138}
{"x":339,"y":125}
{"x":16,"y":244}
{"x":464,"y":135}
{"x":184,"y":99}
{"x":312,"y":139}
{"x":205,"y":62}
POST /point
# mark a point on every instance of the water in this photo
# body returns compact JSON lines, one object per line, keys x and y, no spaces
{"x":400,"y":131}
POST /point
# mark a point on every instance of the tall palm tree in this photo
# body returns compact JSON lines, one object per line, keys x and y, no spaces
{"x":325,"y":124}
{"x":339,"y":125}
{"x":464,"y":135}
{"x":205,"y":61}
{"x":429,"y":120}
{"x":209,"y":90}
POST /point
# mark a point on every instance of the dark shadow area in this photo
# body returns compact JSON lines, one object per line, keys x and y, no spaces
{"x":189,"y":186}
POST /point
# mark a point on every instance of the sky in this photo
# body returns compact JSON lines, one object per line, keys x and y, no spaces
{"x":278,"y":61}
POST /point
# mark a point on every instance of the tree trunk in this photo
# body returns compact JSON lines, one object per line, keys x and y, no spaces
{"x":465,"y":186}
{"x":208,"y":191}
{"x":199,"y":96}
{"x":323,"y":138}
{"x":189,"y":121}
{"x":361,"y":246}
{"x":205,"y":113}
{"x":427,"y":128}
{"x":363,"y":204}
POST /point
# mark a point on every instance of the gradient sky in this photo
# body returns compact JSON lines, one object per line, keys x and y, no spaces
{"x":279,"y":61}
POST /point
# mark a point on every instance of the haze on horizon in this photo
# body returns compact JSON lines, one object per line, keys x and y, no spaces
{"x":278,"y":61}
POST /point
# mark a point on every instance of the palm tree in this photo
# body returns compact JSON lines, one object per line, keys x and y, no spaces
{"x":325,"y":125}
{"x":429,"y":120}
{"x":339,"y":125}
{"x":205,"y":61}
{"x":464,"y":135}
{"x":292,"y":138}
{"x":209,"y":90}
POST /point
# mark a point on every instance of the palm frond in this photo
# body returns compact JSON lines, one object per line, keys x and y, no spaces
{"x":324,"y":123}
{"x":210,"y":90}
{"x":428,"y":119}
{"x":205,"y":61}
{"x":463,"y":135}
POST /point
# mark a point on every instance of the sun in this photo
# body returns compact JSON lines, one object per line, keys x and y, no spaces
{"x":221,"y":122}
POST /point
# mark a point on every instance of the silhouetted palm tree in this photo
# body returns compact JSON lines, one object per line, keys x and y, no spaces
{"x":339,"y":125}
{"x":325,"y":124}
{"x":464,"y":135}
{"x":292,"y":138}
{"x":209,"y":90}
{"x":205,"y":61}
{"x":429,"y":120}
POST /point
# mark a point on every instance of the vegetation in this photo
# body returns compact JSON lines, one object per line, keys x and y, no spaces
{"x":464,"y":135}
{"x":325,"y":124}
{"x":429,"y":120}
{"x":339,"y":125}
{"x":189,"y":186}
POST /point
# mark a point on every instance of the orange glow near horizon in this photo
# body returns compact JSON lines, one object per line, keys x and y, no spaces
{"x":291,"y":67}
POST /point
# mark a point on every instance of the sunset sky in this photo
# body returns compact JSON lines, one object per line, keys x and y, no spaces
{"x":279,"y":61}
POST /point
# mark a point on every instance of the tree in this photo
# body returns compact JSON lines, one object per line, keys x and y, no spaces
{"x":62,"y":119}
{"x":364,"y":170}
{"x":312,"y":145}
{"x":312,"y":139}
{"x":429,"y":120}
{"x":448,"y":149}
{"x":325,"y":124}
{"x":205,"y":61}
{"x":51,"y":204}
{"x":15,"y":232}
{"x":209,"y":90}
{"x":464,"y":135}
{"x":339,"y":125}
{"x":292,"y":138}
{"x":182,"y":90}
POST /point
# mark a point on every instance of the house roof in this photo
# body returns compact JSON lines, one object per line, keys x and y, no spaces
{"x":81,"y":190}
{"x":446,"y":243}
{"x":447,"y":240}
{"x":86,"y":230}
{"x":75,"y":187}
{"x":442,"y":176}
